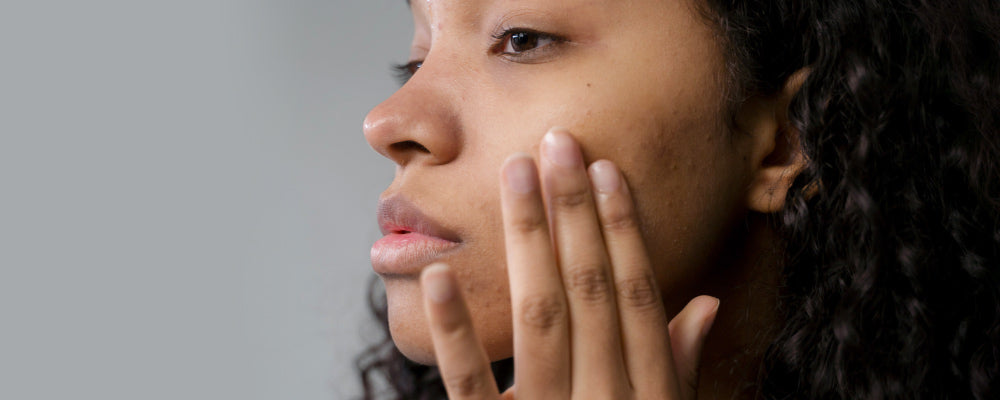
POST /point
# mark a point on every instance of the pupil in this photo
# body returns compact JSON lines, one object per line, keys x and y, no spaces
{"x":523,"y":41}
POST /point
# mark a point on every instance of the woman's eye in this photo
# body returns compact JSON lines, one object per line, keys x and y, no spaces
{"x":405,"y":71}
{"x":517,"y":42}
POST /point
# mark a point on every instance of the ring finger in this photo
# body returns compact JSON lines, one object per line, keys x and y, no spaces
{"x":597,"y":360}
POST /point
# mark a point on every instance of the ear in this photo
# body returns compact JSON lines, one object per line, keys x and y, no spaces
{"x":775,"y":156}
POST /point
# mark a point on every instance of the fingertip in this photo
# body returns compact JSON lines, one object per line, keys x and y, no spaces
{"x":520,"y":174}
{"x":438,"y":285}
{"x":561,"y":148}
{"x":712,"y":310}
{"x":705,"y":304}
{"x":605,"y":176}
{"x":697,"y":316}
{"x":517,"y":156}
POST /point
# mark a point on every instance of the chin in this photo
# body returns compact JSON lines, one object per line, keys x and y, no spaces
{"x":407,"y":321}
{"x":417,"y":349}
{"x":411,"y":334}
{"x":413,"y":341}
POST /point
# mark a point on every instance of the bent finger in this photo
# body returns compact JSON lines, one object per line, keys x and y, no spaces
{"x":464,"y":366}
{"x":688,"y":331}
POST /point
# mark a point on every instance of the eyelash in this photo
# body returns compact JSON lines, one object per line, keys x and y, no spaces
{"x":404,"y":72}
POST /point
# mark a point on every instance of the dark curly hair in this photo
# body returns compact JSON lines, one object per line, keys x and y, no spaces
{"x":891,"y":289}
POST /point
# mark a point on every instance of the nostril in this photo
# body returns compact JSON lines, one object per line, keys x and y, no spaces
{"x":409,"y":145}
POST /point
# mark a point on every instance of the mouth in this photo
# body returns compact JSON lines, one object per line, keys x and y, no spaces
{"x":410,"y":239}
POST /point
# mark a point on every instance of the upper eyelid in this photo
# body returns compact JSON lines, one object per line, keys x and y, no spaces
{"x":503,"y":34}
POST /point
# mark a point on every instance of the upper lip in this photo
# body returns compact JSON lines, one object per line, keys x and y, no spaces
{"x":396,"y":214}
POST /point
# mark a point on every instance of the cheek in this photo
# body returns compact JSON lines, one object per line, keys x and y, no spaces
{"x":682,"y":167}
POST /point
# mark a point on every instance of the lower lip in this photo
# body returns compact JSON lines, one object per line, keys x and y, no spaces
{"x":407,"y":253}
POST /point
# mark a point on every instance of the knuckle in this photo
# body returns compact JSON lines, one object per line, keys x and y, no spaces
{"x":618,"y":219}
{"x":542,"y":312}
{"x":464,"y":383}
{"x":571,"y":198}
{"x":526,"y":224}
{"x":589,"y":282}
{"x":456,"y":329}
{"x":691,"y":377}
{"x":639,"y":292}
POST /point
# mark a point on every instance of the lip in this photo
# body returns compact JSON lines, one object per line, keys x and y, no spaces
{"x":410,"y":239}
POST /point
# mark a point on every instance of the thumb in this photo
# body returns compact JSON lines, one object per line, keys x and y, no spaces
{"x":687,"y":336}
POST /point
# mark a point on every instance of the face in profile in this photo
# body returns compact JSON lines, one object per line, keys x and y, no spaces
{"x":640,"y":83}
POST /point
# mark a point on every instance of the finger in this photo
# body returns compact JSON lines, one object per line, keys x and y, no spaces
{"x":464,"y":367}
{"x":594,"y":337}
{"x":687,"y":335}
{"x":541,"y":327}
{"x":643,"y":320}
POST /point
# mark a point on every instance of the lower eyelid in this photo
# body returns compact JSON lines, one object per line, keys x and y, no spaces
{"x":537,"y":55}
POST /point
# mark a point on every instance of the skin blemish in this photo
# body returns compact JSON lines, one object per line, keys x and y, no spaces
{"x":588,"y":84}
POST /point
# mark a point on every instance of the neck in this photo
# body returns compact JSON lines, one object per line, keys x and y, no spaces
{"x":746,"y":283}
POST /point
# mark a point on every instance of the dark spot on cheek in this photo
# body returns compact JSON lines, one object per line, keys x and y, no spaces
{"x":588,"y":84}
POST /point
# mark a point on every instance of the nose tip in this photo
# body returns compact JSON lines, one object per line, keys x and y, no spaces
{"x":415,"y":124}
{"x":389,"y":137}
{"x":373,"y":135}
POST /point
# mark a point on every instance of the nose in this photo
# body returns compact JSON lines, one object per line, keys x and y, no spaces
{"x":416,"y":125}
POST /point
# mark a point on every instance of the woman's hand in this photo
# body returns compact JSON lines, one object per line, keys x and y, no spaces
{"x":588,"y":318}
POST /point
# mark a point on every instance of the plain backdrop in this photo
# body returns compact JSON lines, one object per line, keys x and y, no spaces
{"x":186,"y":197}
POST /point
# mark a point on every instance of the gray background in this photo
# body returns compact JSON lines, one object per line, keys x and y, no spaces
{"x":186,"y":197}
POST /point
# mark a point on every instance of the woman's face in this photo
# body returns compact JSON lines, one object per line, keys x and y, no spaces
{"x":637,"y":82}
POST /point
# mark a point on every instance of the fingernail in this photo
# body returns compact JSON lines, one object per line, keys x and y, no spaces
{"x":438,"y":286}
{"x":605,"y":176}
{"x":519,"y":171}
{"x":561,"y":149}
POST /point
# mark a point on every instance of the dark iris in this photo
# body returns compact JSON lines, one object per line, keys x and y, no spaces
{"x":523,"y":41}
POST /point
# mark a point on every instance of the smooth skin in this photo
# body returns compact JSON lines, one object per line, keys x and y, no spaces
{"x":589,"y":321}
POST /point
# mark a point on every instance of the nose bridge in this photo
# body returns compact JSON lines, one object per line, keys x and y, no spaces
{"x":418,"y":123}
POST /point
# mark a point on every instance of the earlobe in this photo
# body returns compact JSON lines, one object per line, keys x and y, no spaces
{"x":775,"y":155}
